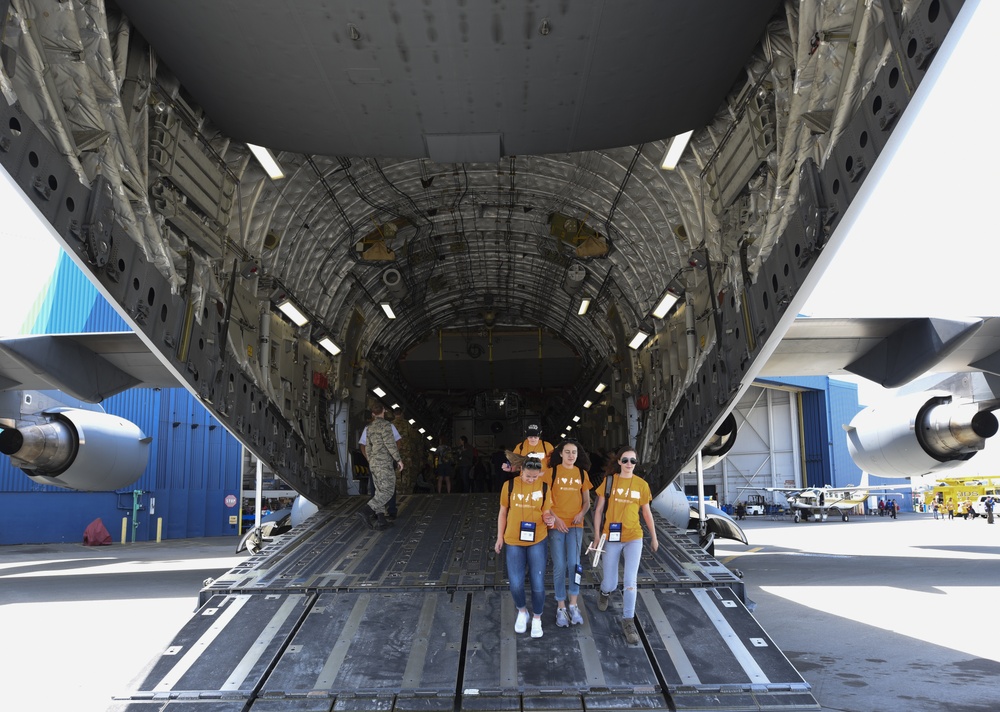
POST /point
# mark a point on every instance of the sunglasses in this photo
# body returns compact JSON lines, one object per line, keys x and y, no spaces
{"x":531,"y":465}
{"x":627,"y":460}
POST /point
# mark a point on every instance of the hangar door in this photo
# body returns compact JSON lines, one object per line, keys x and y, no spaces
{"x":767,"y":452}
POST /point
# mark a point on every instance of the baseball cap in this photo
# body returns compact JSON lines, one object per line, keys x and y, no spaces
{"x":533,"y":429}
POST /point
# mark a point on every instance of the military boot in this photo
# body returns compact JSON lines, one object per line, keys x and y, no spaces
{"x":366,"y":515}
{"x":381,"y":522}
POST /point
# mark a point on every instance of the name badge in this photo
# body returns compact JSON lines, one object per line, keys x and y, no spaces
{"x":615,"y":531}
{"x":527,"y":531}
{"x":578,"y":575}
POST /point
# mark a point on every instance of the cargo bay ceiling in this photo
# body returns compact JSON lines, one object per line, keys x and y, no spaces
{"x":482,"y":169}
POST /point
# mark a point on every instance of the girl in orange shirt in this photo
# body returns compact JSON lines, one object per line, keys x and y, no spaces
{"x":630,"y":496}
{"x":570,"y":502}
{"x":525,"y":511}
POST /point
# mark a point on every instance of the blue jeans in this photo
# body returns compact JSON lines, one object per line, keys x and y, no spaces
{"x":531,"y":559}
{"x":565,"y":551}
{"x":612,"y":552}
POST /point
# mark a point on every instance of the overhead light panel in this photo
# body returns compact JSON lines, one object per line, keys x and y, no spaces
{"x":267,"y":160}
{"x":431,"y":438}
{"x":411,"y":421}
{"x":421,"y":431}
{"x":288,"y":308}
{"x":584,"y":306}
{"x":387,"y":308}
{"x":600,"y":387}
{"x":675,"y":148}
{"x":667,"y":302}
{"x":576,"y":418}
{"x":394,"y":406}
{"x":587,"y":404}
{"x":568,"y":428}
{"x":327,"y":343}
{"x":433,"y":449}
{"x":638,"y":340}
{"x":378,"y":391}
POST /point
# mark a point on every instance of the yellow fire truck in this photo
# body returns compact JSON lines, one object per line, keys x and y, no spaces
{"x":961,"y":489}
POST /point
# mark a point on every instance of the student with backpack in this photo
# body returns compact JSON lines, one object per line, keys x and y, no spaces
{"x":525,"y":512}
{"x":626,"y":496}
{"x":570,"y":503}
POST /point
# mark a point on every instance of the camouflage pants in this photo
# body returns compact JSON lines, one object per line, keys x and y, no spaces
{"x":384,"y":477}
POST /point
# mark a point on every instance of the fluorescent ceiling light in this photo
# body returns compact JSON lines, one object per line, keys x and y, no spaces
{"x":378,"y":391}
{"x":668,"y":301}
{"x":675,"y":148}
{"x":638,"y":339}
{"x":289,"y":309}
{"x":421,"y":431}
{"x":568,"y":428}
{"x":584,"y":306}
{"x":433,"y":449}
{"x":600,"y":387}
{"x":387,"y":308}
{"x":328,"y":344}
{"x":576,"y":418}
{"x":431,"y":437}
{"x":587,"y":404}
{"x":411,"y":421}
{"x":394,"y":406}
{"x":267,"y":160}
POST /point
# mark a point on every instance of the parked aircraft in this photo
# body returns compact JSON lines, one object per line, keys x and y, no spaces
{"x":814,"y":504}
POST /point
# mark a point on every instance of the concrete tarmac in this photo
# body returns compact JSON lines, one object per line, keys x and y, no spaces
{"x":877,"y":614}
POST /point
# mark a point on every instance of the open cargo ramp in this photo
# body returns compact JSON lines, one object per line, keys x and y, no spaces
{"x":334,"y":616}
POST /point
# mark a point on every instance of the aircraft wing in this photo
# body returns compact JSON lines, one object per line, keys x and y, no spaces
{"x":90,"y":367}
{"x":888,"y":351}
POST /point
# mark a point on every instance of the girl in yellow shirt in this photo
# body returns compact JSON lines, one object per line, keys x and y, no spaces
{"x":525,"y":512}
{"x":629,"y":497}
{"x":571,"y":487}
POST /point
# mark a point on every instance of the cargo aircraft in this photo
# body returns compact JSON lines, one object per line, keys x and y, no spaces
{"x":601,"y":215}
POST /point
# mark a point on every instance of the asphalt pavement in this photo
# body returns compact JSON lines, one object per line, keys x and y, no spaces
{"x":877,"y":614}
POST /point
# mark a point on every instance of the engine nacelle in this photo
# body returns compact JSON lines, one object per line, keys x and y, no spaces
{"x":79,"y":449}
{"x":918,"y":434}
{"x":717,"y":447}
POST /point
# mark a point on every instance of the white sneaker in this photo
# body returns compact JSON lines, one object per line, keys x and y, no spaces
{"x":521,"y":624}
{"x":574,"y":615}
{"x":536,"y":627}
{"x":562,"y":620}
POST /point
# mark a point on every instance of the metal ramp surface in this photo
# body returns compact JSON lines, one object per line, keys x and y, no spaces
{"x":419,"y":618}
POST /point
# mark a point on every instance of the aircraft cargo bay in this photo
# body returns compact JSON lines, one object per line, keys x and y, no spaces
{"x":333,"y":616}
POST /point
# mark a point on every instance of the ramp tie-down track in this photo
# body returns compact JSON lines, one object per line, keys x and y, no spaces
{"x":335,"y":616}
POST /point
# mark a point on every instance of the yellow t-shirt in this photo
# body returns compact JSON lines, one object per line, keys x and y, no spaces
{"x":628,"y":494}
{"x":527,"y":502}
{"x":567,"y":491}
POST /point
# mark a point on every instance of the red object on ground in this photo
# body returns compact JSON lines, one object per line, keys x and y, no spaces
{"x":96,"y":534}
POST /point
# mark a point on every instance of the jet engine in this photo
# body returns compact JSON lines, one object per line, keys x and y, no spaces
{"x":78,"y":450}
{"x":918,"y":434}
{"x":717,"y":447}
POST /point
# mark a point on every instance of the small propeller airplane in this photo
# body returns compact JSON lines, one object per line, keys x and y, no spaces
{"x":815,"y":503}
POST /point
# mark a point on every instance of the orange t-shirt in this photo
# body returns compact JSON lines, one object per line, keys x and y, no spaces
{"x":628,"y":494}
{"x":527,"y":502}
{"x":568,"y":485}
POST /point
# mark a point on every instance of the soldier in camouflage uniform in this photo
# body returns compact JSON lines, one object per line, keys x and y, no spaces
{"x":383,"y":459}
